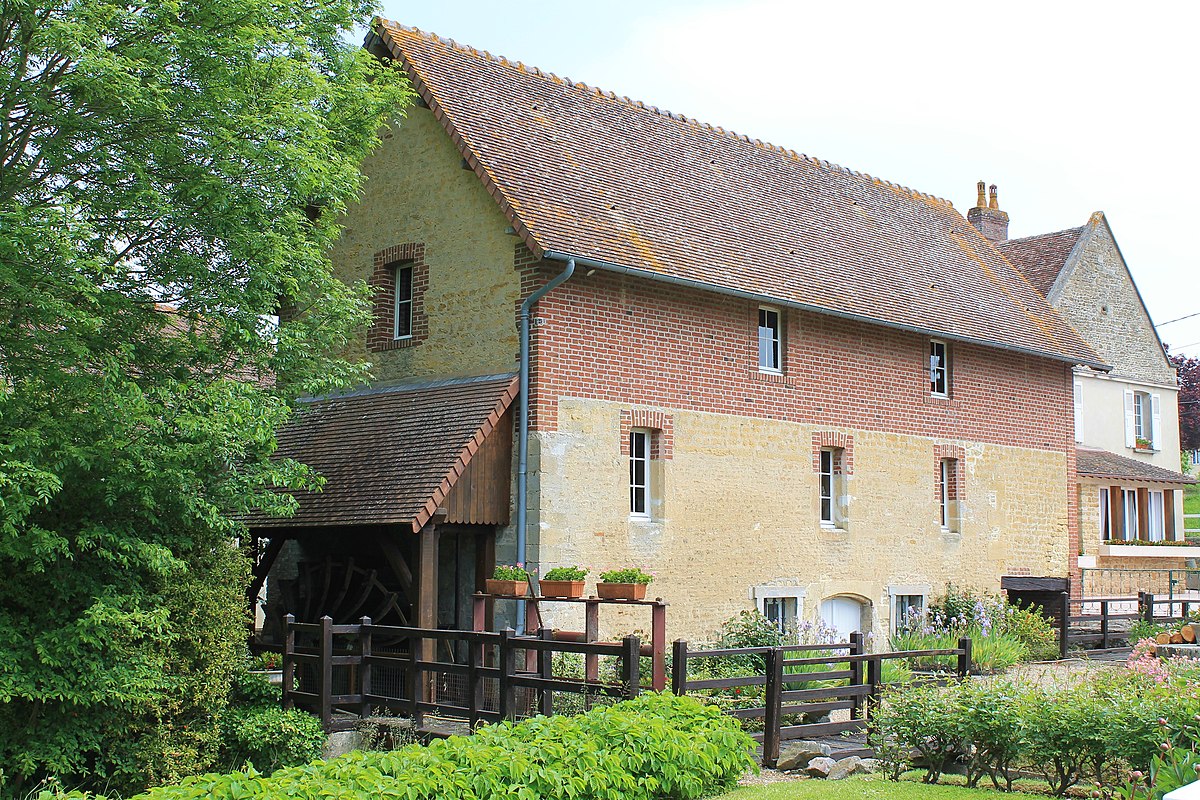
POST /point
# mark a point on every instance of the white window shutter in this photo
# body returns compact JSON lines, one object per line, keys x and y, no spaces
{"x":1130,"y":436}
{"x":1156,"y":422}
{"x":1079,"y":413}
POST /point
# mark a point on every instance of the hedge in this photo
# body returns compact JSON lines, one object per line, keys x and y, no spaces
{"x":656,"y":746}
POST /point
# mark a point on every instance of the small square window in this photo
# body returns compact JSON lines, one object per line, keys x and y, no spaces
{"x":769,"y":341}
{"x":939,"y":368}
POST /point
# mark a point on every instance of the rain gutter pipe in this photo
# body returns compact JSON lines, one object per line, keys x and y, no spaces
{"x":523,"y":433}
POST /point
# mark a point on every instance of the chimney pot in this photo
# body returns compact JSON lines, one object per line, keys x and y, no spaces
{"x":994,"y":202}
{"x":981,"y":202}
{"x":986,"y":216}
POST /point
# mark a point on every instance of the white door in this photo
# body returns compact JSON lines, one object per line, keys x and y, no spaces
{"x":844,"y":615}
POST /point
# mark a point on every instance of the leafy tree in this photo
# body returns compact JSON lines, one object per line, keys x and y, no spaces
{"x":168,"y":173}
{"x":1189,"y":400}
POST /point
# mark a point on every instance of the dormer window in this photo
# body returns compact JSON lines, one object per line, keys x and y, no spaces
{"x":939,"y":368}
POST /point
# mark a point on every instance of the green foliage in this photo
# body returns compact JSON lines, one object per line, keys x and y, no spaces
{"x":510,"y":572}
{"x":991,"y":728}
{"x":925,"y":720}
{"x":626,"y":575}
{"x":248,"y":689}
{"x":566,"y":574}
{"x":656,"y":746}
{"x":189,"y":154}
{"x":269,"y":737}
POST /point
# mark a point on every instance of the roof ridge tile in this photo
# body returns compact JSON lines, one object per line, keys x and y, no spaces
{"x":639,"y":104}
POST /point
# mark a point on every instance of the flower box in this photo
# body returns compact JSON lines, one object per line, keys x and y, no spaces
{"x":508,"y":588}
{"x":621,"y":591}
{"x":561,"y":588}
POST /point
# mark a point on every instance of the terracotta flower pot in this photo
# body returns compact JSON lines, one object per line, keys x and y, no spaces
{"x":510,"y":588}
{"x":561,"y":588}
{"x":621,"y":591}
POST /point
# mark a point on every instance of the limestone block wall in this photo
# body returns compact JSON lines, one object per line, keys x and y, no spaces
{"x":738,"y":509}
{"x":418,"y":194}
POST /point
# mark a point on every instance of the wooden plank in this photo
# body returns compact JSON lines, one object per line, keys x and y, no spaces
{"x":526,"y":681}
{"x":822,"y":694}
{"x":727,"y":683}
{"x":480,"y":496}
{"x":805,"y":677}
{"x":427,"y":599}
{"x":595,"y":648}
{"x":822,"y":729}
{"x":818,"y":708}
{"x":1016,"y":583}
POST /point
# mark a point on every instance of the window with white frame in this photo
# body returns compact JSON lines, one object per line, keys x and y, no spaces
{"x":939,"y":368}
{"x":639,"y":472}
{"x":829,"y":480}
{"x":1156,"y":517}
{"x":907,"y":611}
{"x":1105,"y":516}
{"x":402,"y":309}
{"x":1078,"y":412}
{"x":769,"y":340}
{"x":1143,"y":420}
{"x":947,"y":480}
{"x":1129,"y":507}
{"x":780,"y":604}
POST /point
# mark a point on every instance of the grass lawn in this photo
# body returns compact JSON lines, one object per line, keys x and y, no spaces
{"x":1191,"y":499}
{"x":867,"y":788}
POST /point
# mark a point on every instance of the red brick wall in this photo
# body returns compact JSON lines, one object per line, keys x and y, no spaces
{"x":383,"y":285}
{"x":629,"y":340}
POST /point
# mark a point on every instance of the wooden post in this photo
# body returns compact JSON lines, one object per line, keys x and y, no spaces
{"x":289,"y":666}
{"x":1103,"y":624}
{"x":772,"y":703}
{"x":874,"y":678}
{"x":545,"y":669}
{"x":1147,"y":600}
{"x":591,"y":632}
{"x":427,"y":604}
{"x":857,"y":648}
{"x":508,"y":692}
{"x":658,"y":643}
{"x":364,"y":687}
{"x":413,"y":679}
{"x":326,"y":671}
{"x":1064,"y":624}
{"x":474,"y":684}
{"x":679,"y":668}
{"x":532,"y":617}
{"x":631,"y":665}
{"x":964,"y":657}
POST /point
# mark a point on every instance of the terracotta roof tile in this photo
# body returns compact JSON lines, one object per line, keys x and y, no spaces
{"x":389,"y":455}
{"x":1041,"y":258}
{"x":1104,"y":464}
{"x":583,"y":172}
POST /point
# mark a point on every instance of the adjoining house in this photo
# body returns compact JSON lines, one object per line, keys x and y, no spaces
{"x":1126,"y":420}
{"x":772,"y":381}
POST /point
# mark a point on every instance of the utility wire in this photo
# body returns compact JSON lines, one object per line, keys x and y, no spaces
{"x":1180,"y":319}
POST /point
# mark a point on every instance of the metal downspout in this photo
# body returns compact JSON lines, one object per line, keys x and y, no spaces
{"x":523,"y":424}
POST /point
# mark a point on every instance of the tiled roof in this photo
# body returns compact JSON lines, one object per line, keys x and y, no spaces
{"x":1041,"y":258}
{"x":389,"y":455}
{"x":583,"y":172}
{"x":1103,"y":464}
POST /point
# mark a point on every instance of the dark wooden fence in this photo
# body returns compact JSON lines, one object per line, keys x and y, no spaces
{"x":1087,"y":623}
{"x":847,"y":679}
{"x":341,"y":674}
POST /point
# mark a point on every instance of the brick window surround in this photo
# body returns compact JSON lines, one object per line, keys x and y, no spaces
{"x":831,"y":440}
{"x":662,"y":425}
{"x":956,"y":479}
{"x":383,"y":284}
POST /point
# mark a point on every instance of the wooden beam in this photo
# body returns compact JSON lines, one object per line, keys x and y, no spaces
{"x":258,"y":574}
{"x":1116,"y":513}
{"x":398,"y":563}
{"x":1143,"y":496}
{"x":427,"y":598}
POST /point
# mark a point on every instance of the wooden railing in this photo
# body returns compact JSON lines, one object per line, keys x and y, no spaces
{"x":853,"y":688}
{"x":1104,"y":611}
{"x":342,"y":684}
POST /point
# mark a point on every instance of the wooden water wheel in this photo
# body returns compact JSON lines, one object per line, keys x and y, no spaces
{"x":344,"y":591}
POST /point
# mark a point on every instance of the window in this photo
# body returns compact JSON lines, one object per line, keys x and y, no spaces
{"x":1129,"y":504}
{"x":908,"y":611}
{"x":783,"y":612}
{"x":1143,"y":420}
{"x":639,"y":473}
{"x":402,"y":311}
{"x":947,"y":479}
{"x":1156,"y":520}
{"x":1105,"y":517}
{"x":769,"y":342}
{"x":1078,"y":412}
{"x":829,"y":483}
{"x":939,"y":369}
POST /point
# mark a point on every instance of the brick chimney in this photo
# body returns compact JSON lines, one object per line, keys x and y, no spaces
{"x":987,"y":217}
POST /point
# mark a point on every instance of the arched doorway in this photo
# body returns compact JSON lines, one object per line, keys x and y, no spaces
{"x":844,"y":615}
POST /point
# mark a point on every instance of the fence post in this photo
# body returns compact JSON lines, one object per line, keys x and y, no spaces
{"x":964,"y":657}
{"x":289,"y":668}
{"x":631,"y":665}
{"x":1103,"y":624}
{"x":1148,"y":608}
{"x":679,"y":668}
{"x":658,"y":641}
{"x":545,"y":664}
{"x":1064,"y":624}
{"x":326,"y":688}
{"x":364,"y":669}
{"x":508,"y":692}
{"x":413,"y":678}
{"x":857,"y":647}
{"x":772,"y":703}
{"x":474,"y":685}
{"x":874,"y":679}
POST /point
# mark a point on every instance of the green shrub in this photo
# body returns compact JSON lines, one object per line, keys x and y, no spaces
{"x":656,"y":746}
{"x":251,"y":689}
{"x":926,"y":720}
{"x":269,"y":737}
{"x":1065,"y":734}
{"x":991,"y":729}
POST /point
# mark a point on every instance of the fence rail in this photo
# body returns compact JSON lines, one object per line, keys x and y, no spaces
{"x":1104,"y":611}
{"x":854,"y":688}
{"x":343,"y":684}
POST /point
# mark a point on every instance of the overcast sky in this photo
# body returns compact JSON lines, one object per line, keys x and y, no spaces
{"x":1068,"y":107}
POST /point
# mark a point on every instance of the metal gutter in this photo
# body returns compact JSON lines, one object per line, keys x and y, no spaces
{"x":608,"y":266}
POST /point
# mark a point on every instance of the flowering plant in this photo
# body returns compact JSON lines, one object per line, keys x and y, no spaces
{"x":515,"y":572}
{"x":626,"y":575}
{"x":571,"y":573}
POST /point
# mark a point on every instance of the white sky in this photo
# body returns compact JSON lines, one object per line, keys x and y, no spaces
{"x":1069,"y":107}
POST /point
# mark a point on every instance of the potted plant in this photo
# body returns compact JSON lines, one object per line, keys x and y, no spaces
{"x":509,"y":580}
{"x":563,"y":582}
{"x":1143,"y":444}
{"x":628,"y":583}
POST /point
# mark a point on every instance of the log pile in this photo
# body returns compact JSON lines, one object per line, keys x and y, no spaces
{"x":1185,"y":635}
